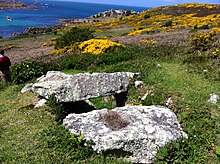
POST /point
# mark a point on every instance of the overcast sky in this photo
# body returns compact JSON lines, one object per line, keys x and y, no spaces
{"x":147,"y":3}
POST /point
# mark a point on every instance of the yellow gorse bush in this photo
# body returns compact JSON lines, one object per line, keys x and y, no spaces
{"x":93,"y":46}
{"x":178,"y":22}
{"x":216,"y":54}
{"x":53,"y":39}
{"x":215,"y":31}
{"x":154,"y":19}
{"x":98,"y":46}
{"x":65,"y":50}
{"x":8,"y":47}
{"x":138,"y":32}
{"x":203,"y":40}
{"x":47,"y":44}
{"x":197,"y":5}
{"x":148,"y":41}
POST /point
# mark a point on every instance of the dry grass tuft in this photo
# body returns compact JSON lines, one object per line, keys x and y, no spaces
{"x":114,"y":120}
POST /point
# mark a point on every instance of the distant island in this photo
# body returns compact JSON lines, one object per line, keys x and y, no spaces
{"x":9,"y":4}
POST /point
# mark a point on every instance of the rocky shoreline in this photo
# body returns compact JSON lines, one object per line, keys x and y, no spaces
{"x":99,"y":17}
{"x":10,"y":5}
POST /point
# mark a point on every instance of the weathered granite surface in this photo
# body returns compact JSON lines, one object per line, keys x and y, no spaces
{"x":145,"y":129}
{"x":83,"y":86}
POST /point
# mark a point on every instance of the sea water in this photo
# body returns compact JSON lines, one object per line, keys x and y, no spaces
{"x":49,"y":13}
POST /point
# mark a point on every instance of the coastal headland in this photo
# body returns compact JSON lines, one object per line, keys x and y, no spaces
{"x":9,"y":5}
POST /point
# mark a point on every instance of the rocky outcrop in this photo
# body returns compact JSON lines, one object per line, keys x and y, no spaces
{"x":114,"y":13}
{"x":96,"y":17}
{"x":83,"y":86}
{"x":41,"y":30}
{"x":132,"y":132}
{"x":8,"y":5}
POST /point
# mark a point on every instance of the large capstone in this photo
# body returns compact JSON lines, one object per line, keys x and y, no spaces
{"x":83,"y":86}
{"x":132,"y":132}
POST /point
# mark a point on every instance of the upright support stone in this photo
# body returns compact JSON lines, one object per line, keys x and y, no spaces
{"x":121,"y":98}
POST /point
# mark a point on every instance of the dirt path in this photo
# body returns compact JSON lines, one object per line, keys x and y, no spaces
{"x":26,"y":48}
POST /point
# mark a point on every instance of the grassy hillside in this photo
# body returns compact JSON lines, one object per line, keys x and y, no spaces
{"x":167,"y":18}
{"x":176,"y":50}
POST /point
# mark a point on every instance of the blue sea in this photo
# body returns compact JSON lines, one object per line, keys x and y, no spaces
{"x":49,"y":13}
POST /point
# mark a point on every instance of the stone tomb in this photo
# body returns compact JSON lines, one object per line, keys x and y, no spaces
{"x":84,"y":86}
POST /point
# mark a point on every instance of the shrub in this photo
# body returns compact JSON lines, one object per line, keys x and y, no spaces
{"x":168,"y":23}
{"x":215,"y":54}
{"x":204,"y":27}
{"x":86,"y":61}
{"x":72,"y":36}
{"x":173,"y":152}
{"x":203,"y":41}
{"x":26,"y":71}
{"x":3,"y":85}
{"x":92,"y":46}
{"x":146,"y":16}
{"x":56,"y":109}
{"x":98,"y":46}
{"x":128,"y":12}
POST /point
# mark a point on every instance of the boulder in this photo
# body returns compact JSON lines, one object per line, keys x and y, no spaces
{"x":213,"y":98}
{"x":40,"y":103}
{"x":83,"y":86}
{"x":26,"y":88}
{"x":132,"y":132}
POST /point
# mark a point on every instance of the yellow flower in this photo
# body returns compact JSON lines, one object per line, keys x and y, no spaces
{"x":53,"y":39}
{"x":148,"y":41}
{"x":97,"y":46}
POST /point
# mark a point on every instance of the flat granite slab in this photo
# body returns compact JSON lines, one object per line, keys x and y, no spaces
{"x":82,"y":86}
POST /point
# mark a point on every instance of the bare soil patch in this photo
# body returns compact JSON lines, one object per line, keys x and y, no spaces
{"x":26,"y":48}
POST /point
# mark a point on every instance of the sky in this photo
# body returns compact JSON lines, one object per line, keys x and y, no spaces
{"x":147,"y":3}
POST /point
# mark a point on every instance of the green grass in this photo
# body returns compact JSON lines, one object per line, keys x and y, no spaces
{"x":24,"y":38}
{"x":30,"y":135}
{"x":190,"y":92}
